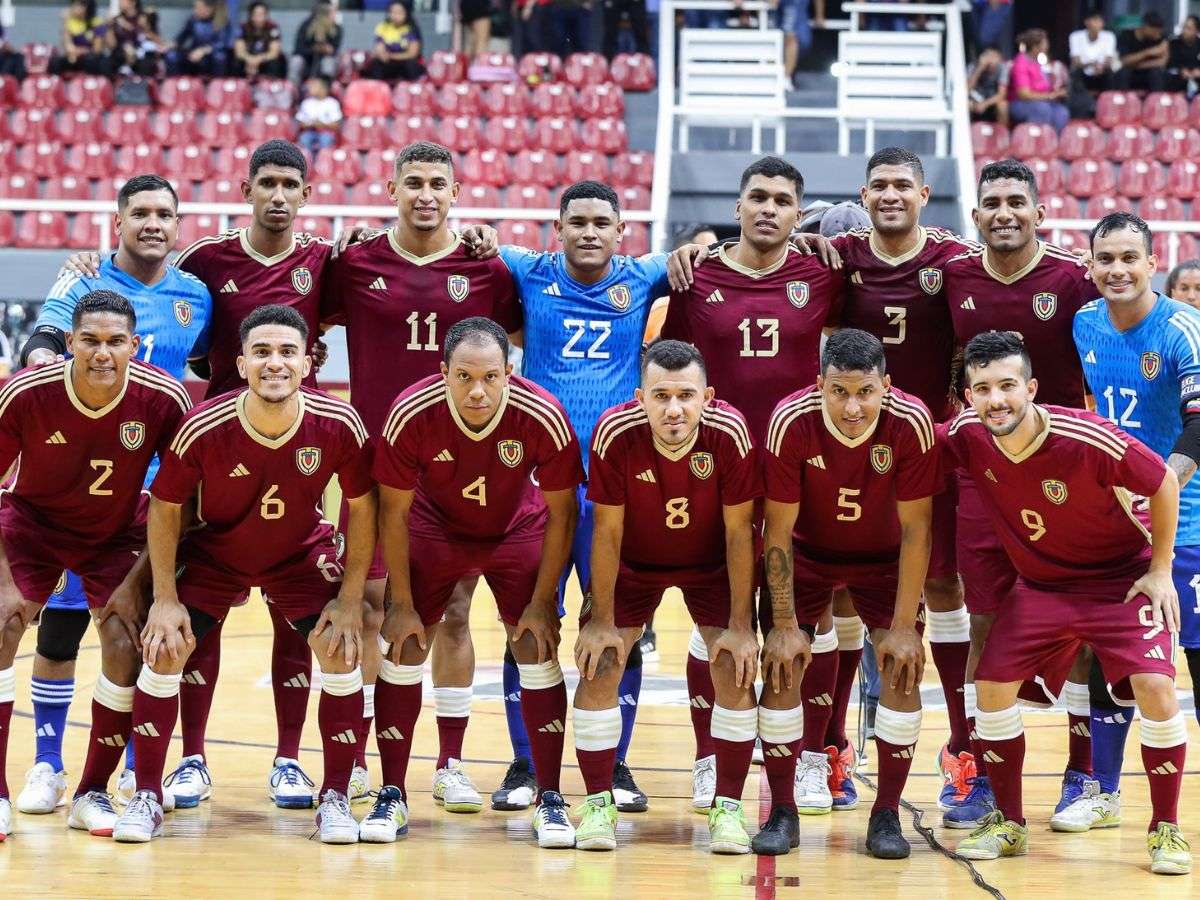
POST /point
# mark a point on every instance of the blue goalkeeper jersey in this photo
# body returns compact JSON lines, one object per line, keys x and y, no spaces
{"x":1141,"y":379}
{"x":583,"y":342}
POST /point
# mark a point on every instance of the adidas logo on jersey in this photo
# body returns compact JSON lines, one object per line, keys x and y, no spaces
{"x":648,"y":475}
{"x":116,"y":740}
{"x":297,"y":681}
{"x":229,"y":287}
{"x":553,"y":290}
{"x":56,"y":438}
{"x":715,"y":297}
{"x":626,"y":700}
{"x":1155,"y":653}
{"x":194,"y":677}
{"x":856,"y":278}
{"x":391,"y":733}
{"x":903,"y":753}
{"x":378,"y":284}
{"x":816,"y":461}
{"x":699,"y":703}
{"x":238,"y":471}
{"x":1081,"y":729}
{"x":821,"y":700}
{"x":146,"y":729}
{"x":444,"y":456}
{"x":46,"y":730}
{"x":346,"y":737}
{"x":991,"y":756}
{"x":779,"y":751}
{"x":555,"y":727}
{"x":991,"y":476}
{"x":1091,"y":357}
{"x":1167,"y":768}
{"x":969,"y":303}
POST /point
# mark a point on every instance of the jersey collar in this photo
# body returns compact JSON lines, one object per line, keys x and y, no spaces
{"x":68,"y":370}
{"x":1021,"y":272}
{"x":1035,"y":445}
{"x":244,"y":237}
{"x":922,"y":238}
{"x":422,"y":260}
{"x":488,"y":428}
{"x":754,"y":273}
{"x":675,"y":453}
{"x":257,"y":436}
{"x":833,"y":429}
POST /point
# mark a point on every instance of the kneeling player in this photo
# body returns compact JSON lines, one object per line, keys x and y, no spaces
{"x":1057,"y":485}
{"x":258,"y":461}
{"x":457,"y":462}
{"x":850,"y":470}
{"x":673,"y":480}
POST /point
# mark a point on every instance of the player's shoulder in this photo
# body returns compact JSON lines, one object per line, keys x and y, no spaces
{"x":156,"y":381}
{"x":791,"y":412}
{"x":944,"y":244}
{"x":962,"y":424}
{"x":1183,"y":319}
{"x":1082,"y":426}
{"x":518,"y":259}
{"x":725,"y":419}
{"x":31,"y":380}
{"x":541,"y":408}
{"x":334,"y":409}
{"x":366,"y":249}
{"x":649,"y":266}
{"x":314,"y":244}
{"x":415,"y":400}
{"x":1089,"y":313}
{"x":68,"y":284}
{"x":207,"y":418}
{"x":210,"y":246}
{"x":1056,"y":256}
{"x":969,"y":260}
{"x":909,"y":412}
{"x":616,"y":425}
{"x":189,"y":282}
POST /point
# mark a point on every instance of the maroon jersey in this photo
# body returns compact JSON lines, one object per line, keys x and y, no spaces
{"x":240,"y":280}
{"x":80,"y":470}
{"x":260,"y":498}
{"x":397,"y":307}
{"x":1063,"y":508}
{"x":1039,"y":302}
{"x":847,"y":488}
{"x":759,"y":331}
{"x":900,"y":300}
{"x":673,"y":498}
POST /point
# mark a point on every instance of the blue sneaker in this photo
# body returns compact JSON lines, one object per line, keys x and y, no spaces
{"x":957,"y":772}
{"x":979,"y":804}
{"x":1072,"y":788}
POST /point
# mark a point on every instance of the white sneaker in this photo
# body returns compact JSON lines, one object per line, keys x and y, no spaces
{"x":6,"y":820}
{"x":142,"y":820}
{"x":127,"y":787}
{"x":551,"y":824}
{"x":288,"y":786}
{"x":360,"y":785}
{"x":190,"y":783}
{"x":704,"y":784}
{"x":812,"y":794}
{"x":452,"y":789}
{"x":92,"y":812}
{"x":387,"y":820}
{"x":45,"y":790}
{"x":334,"y":821}
{"x":1092,"y":809}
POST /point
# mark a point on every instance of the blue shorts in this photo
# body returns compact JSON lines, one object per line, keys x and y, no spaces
{"x":793,"y":19}
{"x":1186,"y":573}
{"x":68,"y":593}
{"x":581,"y":551}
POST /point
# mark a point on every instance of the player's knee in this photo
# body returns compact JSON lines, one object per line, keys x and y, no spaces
{"x":60,"y":632}
{"x":456,"y":623}
{"x":115,"y":642}
{"x":1155,"y":695}
{"x":943,"y":594}
{"x":375,"y":596}
{"x":13,"y":629}
{"x":372,"y":621}
{"x":607,"y":670}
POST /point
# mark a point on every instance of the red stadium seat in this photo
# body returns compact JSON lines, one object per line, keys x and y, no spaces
{"x":413,"y":98}
{"x":8,"y":228}
{"x":1177,"y":143}
{"x":1139,"y":177}
{"x":37,"y":58}
{"x":534,"y":68}
{"x":274,"y":93}
{"x":42,"y":92}
{"x":509,"y":98}
{"x":183,"y":189}
{"x":69,"y":187}
{"x":10,"y":91}
{"x":600,"y":101}
{"x":521,"y":233}
{"x":194,"y":227}
{"x":509,"y":134}
{"x":584,"y":165}
{"x":637,"y":168}
{"x":371,"y":193}
{"x":1081,"y":139}
{"x":337,"y":164}
{"x":1098,"y":207}
{"x":19,"y":187}
{"x":131,"y":124}
{"x":173,"y":129}
{"x":605,"y":136}
{"x":84,"y":232}
{"x":380,"y":164}
{"x":327,"y":193}
{"x":137,"y":159}
{"x":233,"y":162}
{"x":350,"y":63}
{"x":265,"y":124}
{"x":459,"y":99}
{"x":81,"y":125}
{"x":44,"y":160}
{"x":445,"y":66}
{"x":1161,"y":208}
{"x":1115,"y":108}
{"x":1091,"y":178}
{"x":221,"y":190}
{"x":1183,"y":179}
{"x":1030,"y":139}
{"x":182,"y":94}
{"x":460,"y":134}
{"x":1130,"y":142}
{"x":585,"y":68}
{"x":636,"y":241}
{"x":318,"y":226}
{"x":484,"y":167}
{"x":528,"y":196}
{"x":1061,"y":206}
{"x":634,"y":72}
{"x":481,"y":196}
{"x":493,"y":60}
{"x":1185,"y":248}
{"x":94,"y":160}
{"x":634,"y":197}
{"x":375,"y":222}
{"x":42,"y":230}
{"x":28,"y":126}
{"x":536,"y":167}
{"x":89,"y":91}
{"x":365,"y":133}
{"x":1070,"y":240}
{"x":552,"y":99}
{"x":415,"y":128}
{"x":366,"y":97}
{"x":191,"y":163}
{"x":228,"y":94}
{"x":1049,"y":174}
{"x":221,"y":129}
{"x":556,"y":135}
{"x":1161,"y":110}
{"x":8,"y":158}
{"x":108,"y":187}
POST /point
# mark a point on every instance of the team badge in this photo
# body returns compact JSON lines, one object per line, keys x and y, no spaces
{"x":881,"y":458}
{"x":1044,"y":305}
{"x":132,"y":435}
{"x":1151,"y":365}
{"x":183,"y":313}
{"x":511,"y":453}
{"x":619,"y":296}
{"x":458,"y":286}
{"x":931,"y":280}
{"x":701,"y":464}
{"x":308,"y":459}
{"x":1055,"y":491}
{"x":302,"y":280}
{"x":797,"y":293}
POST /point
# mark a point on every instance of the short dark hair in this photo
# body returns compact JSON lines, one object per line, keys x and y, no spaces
{"x":476,"y":330}
{"x":273,"y":314}
{"x":773,"y":167}
{"x":424,"y":151}
{"x":1152,"y":19}
{"x":139,"y":183}
{"x":989,"y":346}
{"x":672,"y":356}
{"x":1116,"y":222}
{"x":1188,"y":265}
{"x":852,"y":350}
{"x":589,"y":190}
{"x":1008,"y":168}
{"x":896,"y":156}
{"x":1093,"y":13}
{"x":103,"y":302}
{"x":278,"y":152}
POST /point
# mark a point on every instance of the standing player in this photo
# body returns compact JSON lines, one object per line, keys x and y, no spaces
{"x":1043,"y":470}
{"x":673,"y":480}
{"x":256,"y":463}
{"x":456,"y":465}
{"x":85,"y":431}
{"x":1141,"y":358}
{"x":850,"y":468}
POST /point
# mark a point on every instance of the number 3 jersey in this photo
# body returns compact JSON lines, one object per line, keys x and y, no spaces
{"x":478,"y":485}
{"x":259,"y":499}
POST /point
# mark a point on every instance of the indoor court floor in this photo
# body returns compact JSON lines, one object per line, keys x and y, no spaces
{"x":239,"y":845}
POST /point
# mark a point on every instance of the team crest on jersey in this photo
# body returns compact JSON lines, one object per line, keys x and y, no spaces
{"x":183,"y":313}
{"x":302,"y":280}
{"x":308,"y":459}
{"x":797,"y":293}
{"x":458,"y":286}
{"x":1151,"y":365}
{"x":132,"y":435}
{"x":1055,"y":491}
{"x":511,"y":453}
{"x":1044,"y":305}
{"x":881,"y":458}
{"x":701,"y":464}
{"x":620,"y":297}
{"x":931,"y":280}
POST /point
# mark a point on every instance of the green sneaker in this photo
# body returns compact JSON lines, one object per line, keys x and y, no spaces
{"x":995,"y":837}
{"x":597,"y":823}
{"x":1169,"y":850}
{"x":727,"y":827}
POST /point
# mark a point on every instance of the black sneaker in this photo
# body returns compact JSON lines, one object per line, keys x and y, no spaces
{"x":518,"y":788}
{"x":648,"y":644}
{"x":780,"y":834}
{"x":626,"y":794}
{"x":884,"y":838}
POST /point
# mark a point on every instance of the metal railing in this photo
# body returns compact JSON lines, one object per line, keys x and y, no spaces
{"x":1171,"y":228}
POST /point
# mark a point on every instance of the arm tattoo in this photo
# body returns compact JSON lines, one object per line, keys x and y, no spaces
{"x":1184,"y":466}
{"x":779,"y":581}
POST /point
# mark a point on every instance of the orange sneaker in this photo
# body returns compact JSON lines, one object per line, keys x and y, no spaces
{"x":956,"y":770}
{"x":841,"y":777}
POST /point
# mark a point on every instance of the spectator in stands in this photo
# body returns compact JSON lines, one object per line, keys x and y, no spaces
{"x":82,"y":42}
{"x":529,"y":26}
{"x":797,"y":31}
{"x":1183,"y":58}
{"x":202,"y":45}
{"x":1031,"y":97}
{"x":570,"y":22}
{"x":317,"y":43}
{"x":993,"y":22}
{"x":132,"y":41}
{"x":1144,"y":53}
{"x":319,"y":117}
{"x":397,"y":51}
{"x":12,"y":62}
{"x":987,"y":100}
{"x":1094,"y":52}
{"x":476,"y":19}
{"x":635,"y":11}
{"x":1183,"y":283}
{"x":259,"y":48}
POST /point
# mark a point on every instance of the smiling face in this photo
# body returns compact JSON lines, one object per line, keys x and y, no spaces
{"x":1187,"y":287}
{"x":276,"y":193}
{"x":102,"y":346}
{"x":1000,"y":394}
{"x":273,"y":362}
{"x":1121,"y":267}
{"x":1007,"y":217}
{"x":767,"y":211}
{"x":853,"y":399}
{"x":590,"y":231}
{"x":424,"y":193}
{"x":894,"y":197}
{"x":673,"y":402}
{"x":148,"y":225}
{"x":476,"y":377}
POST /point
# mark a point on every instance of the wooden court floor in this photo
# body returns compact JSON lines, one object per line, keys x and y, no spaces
{"x":239,"y":845}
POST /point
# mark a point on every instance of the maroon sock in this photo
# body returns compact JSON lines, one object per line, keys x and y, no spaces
{"x":597,"y":733}
{"x":397,"y":707}
{"x":951,"y":661}
{"x":896,"y":736}
{"x":816,"y":692}
{"x":1079,"y":743}
{"x":544,"y":712}
{"x":780,"y":731}
{"x":339,"y":716}
{"x":291,"y":676}
{"x":155,"y":708}
{"x":977,"y":748}
{"x":112,"y":719}
{"x":1003,"y":743}
{"x":6,"y":708}
{"x":701,"y":697}
{"x":451,"y":731}
{"x":733,"y":733}
{"x":1164,"y":765}
{"x":847,"y":668}
{"x":197,"y":689}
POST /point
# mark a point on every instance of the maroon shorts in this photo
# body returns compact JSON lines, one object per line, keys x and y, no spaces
{"x":943,"y":558}
{"x":638,"y":593}
{"x":1038,"y":632}
{"x":872,"y":590}
{"x":987,"y":572}
{"x":436,"y":566}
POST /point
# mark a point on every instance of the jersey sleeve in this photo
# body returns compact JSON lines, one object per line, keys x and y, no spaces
{"x":61,"y":300}
{"x":654,"y":271}
{"x":172,"y":415}
{"x":1140,"y":470}
{"x":741,"y":480}
{"x":559,"y":469}
{"x":397,"y":461}
{"x":1185,"y":357}
{"x":354,"y":471}
{"x":676,"y":326}
{"x":177,"y":475}
{"x":950,"y":447}
{"x":10,"y":428}
{"x":520,"y":262}
{"x":782,"y":458}
{"x":506,"y":307}
{"x":919,"y":472}
{"x":332,"y":309}
{"x":203,"y":343}
{"x":606,"y":477}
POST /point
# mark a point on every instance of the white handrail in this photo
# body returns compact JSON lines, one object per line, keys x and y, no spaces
{"x":1172,"y":228}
